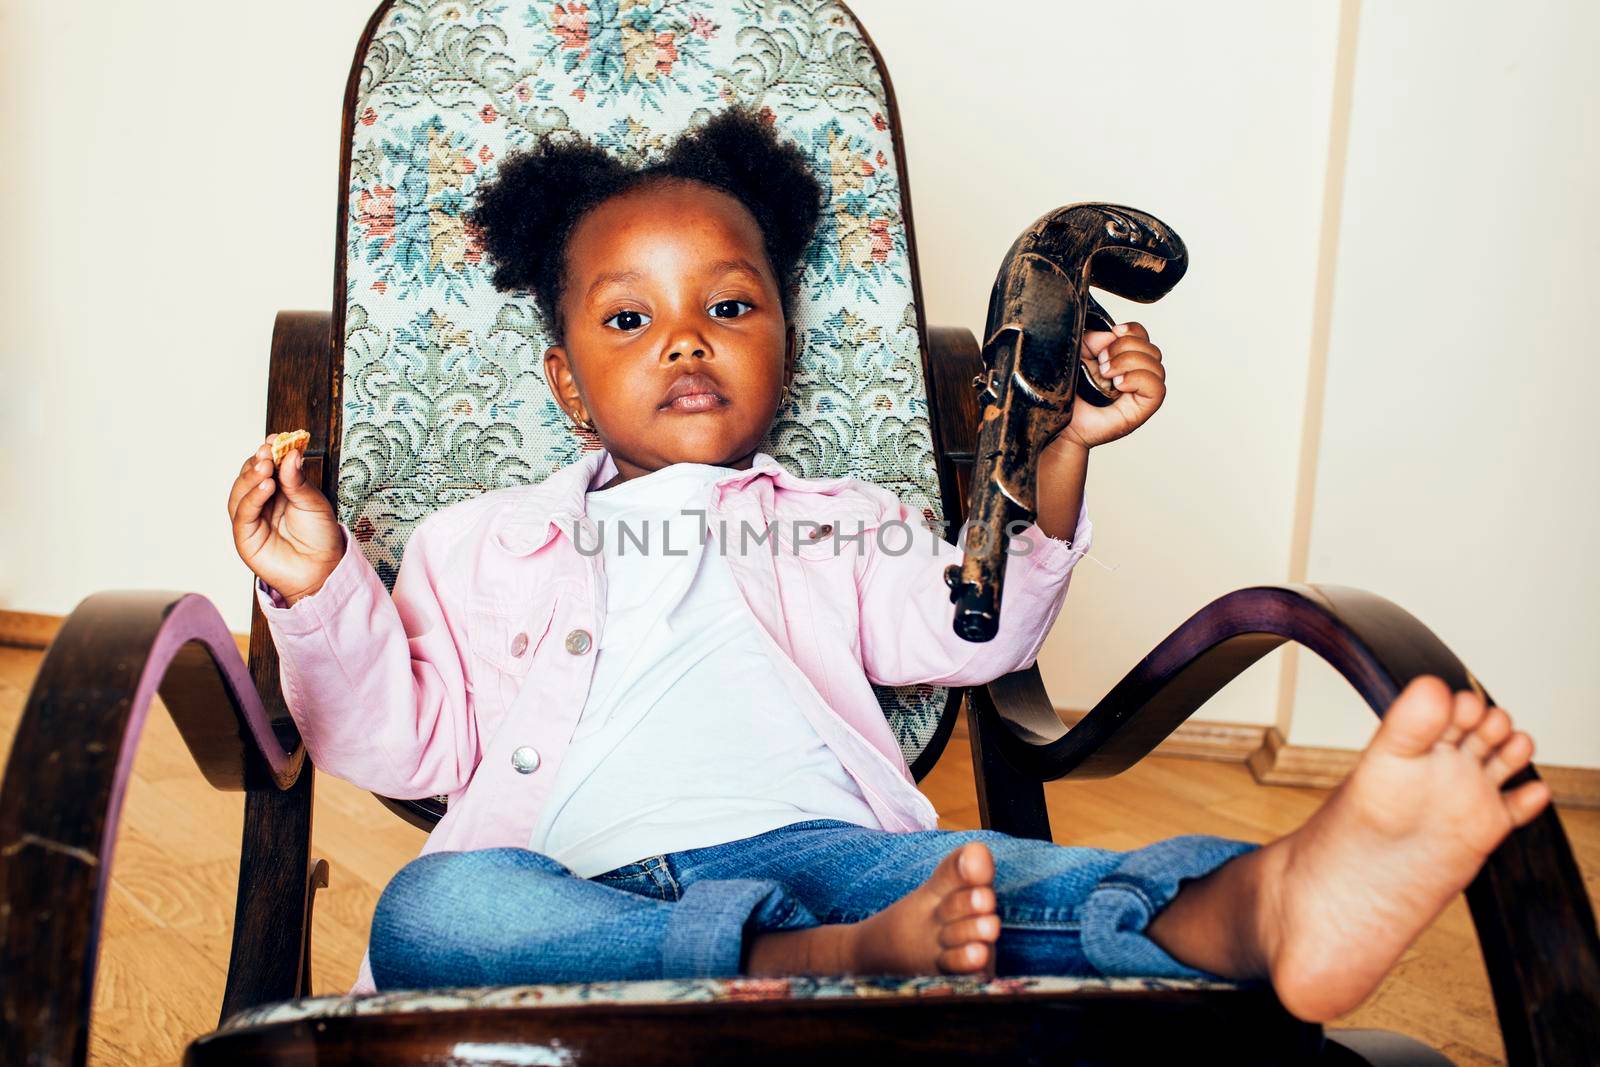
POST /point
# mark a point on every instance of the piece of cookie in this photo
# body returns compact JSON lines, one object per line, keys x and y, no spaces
{"x":284,"y":442}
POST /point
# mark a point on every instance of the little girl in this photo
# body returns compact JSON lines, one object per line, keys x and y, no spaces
{"x":646,"y":682}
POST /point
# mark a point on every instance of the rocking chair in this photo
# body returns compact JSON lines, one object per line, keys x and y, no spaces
{"x":423,"y":387}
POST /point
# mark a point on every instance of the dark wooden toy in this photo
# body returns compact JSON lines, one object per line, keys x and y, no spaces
{"x":1038,"y":311}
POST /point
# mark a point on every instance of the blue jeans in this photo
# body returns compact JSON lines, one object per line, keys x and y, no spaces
{"x":511,"y":916}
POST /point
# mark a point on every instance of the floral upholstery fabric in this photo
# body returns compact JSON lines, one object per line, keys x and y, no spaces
{"x":692,"y":990}
{"x":444,"y":393}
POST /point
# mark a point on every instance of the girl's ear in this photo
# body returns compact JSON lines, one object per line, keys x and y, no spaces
{"x":563,"y":386}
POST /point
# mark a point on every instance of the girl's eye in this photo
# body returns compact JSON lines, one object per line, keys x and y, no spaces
{"x":635,"y":319}
{"x":725,"y":303}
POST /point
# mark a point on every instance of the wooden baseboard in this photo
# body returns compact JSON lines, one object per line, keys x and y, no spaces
{"x":1273,"y":761}
{"x":26,"y":629}
{"x":1572,"y":787}
{"x":1224,"y":741}
{"x":1279,"y":763}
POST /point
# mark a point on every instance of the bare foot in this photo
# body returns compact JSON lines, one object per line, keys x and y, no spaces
{"x":947,"y":925}
{"x":1349,"y":891}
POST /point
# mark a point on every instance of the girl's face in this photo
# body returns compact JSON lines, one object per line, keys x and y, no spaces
{"x":676,"y":345}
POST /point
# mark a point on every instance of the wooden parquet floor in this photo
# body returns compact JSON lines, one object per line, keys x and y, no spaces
{"x":169,"y":917}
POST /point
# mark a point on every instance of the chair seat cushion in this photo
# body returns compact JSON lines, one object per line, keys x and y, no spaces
{"x":693,"y":990}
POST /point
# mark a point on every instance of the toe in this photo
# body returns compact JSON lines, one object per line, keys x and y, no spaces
{"x":1490,"y":734}
{"x":1509,"y":758}
{"x":965,"y":903}
{"x":1526,"y":801}
{"x":1466,"y":713}
{"x":946,"y":877}
{"x":969,"y":865}
{"x":1418,"y":717}
{"x":964,"y":959}
{"x":981,"y":928}
{"x":975,"y":863}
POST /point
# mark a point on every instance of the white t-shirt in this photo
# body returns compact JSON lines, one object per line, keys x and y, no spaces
{"x":686,"y":739}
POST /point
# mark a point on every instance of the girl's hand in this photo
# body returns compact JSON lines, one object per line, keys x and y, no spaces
{"x":1133,"y":365}
{"x":285,"y":531}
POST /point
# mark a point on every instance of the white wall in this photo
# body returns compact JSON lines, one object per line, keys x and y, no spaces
{"x":1213,"y":118}
{"x":160,"y":207}
{"x":162,"y":203}
{"x":1458,"y":463}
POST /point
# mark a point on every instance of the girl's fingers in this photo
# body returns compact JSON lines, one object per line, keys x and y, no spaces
{"x":236,"y":494}
{"x":259,"y":461}
{"x":256,"y":468}
{"x":250,"y":476}
{"x":1095,"y":343}
{"x":300,"y":492}
{"x":1132,"y":361}
{"x":247,"y":480}
{"x":1123,"y":357}
{"x":1142,"y":382}
{"x":248,"y":512}
{"x":1138,"y":381}
{"x":290,"y":475}
{"x":263,"y":451}
{"x":1129,"y":348}
{"x":1131,"y":344}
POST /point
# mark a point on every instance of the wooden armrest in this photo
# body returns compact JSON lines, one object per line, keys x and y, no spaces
{"x":74,"y":748}
{"x":1529,"y":905}
{"x":68,"y":772}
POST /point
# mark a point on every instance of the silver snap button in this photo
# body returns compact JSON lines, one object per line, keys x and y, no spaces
{"x":578,"y":642}
{"x":519,"y":644}
{"x":525,"y":759}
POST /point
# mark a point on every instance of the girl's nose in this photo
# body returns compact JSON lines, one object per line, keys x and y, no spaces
{"x":686,"y":341}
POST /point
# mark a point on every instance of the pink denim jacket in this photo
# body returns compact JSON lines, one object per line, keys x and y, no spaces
{"x":469,"y":680}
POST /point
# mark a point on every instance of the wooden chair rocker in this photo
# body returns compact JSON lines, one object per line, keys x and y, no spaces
{"x":423,"y":387}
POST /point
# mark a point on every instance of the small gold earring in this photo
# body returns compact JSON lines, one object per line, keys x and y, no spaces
{"x":586,"y":424}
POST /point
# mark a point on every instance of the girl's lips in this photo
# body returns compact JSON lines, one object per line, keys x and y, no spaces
{"x":692,"y":402}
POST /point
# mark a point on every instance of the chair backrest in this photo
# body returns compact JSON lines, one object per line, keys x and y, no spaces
{"x":443,"y":387}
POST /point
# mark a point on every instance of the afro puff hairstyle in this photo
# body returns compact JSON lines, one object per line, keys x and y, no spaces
{"x":529,"y":210}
